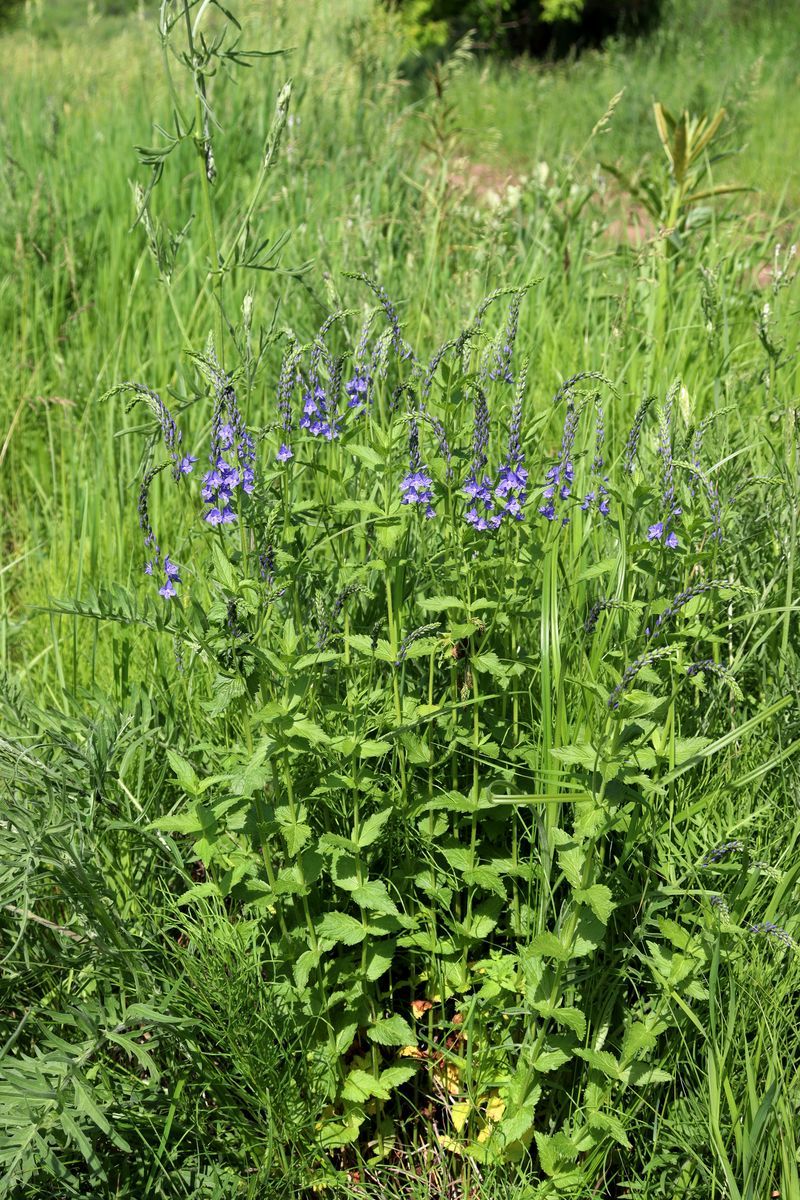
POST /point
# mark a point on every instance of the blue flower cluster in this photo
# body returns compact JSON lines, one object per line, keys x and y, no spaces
{"x":320,"y":405}
{"x":320,"y":417}
{"x":286,"y":384}
{"x":561,"y":475}
{"x":599,"y":494}
{"x":170,"y":569}
{"x":358,"y":387}
{"x":417,"y":486}
{"x":232,"y":458}
{"x":492,"y":501}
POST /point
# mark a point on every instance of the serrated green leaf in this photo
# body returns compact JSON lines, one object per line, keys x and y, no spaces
{"x":598,"y":898}
{"x":571,"y":861}
{"x":184,"y":772}
{"x":373,"y":897}
{"x":394,"y":1077}
{"x":608,"y":1123}
{"x":392,"y":1031}
{"x":361,"y":1086}
{"x":600,"y":1060}
{"x":570,"y":1017}
{"x":379,"y":958}
{"x":547,"y":945}
{"x":374,"y":749}
{"x":341,"y":927}
{"x":372,"y":828}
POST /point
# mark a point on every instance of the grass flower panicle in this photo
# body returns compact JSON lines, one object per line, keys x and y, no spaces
{"x":722,"y":851}
{"x":504,"y":348}
{"x":399,"y":345}
{"x":681,"y":600}
{"x":631,"y":451}
{"x":770,"y":929}
{"x":182,"y":464}
{"x":409,"y":640}
{"x":632,"y":670}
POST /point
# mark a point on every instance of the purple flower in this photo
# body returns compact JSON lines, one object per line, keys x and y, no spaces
{"x":167,"y":590}
{"x":236,"y":467}
{"x":417,"y":486}
{"x":284,"y":453}
{"x":148,"y":568}
{"x":562,"y":474}
{"x":186,"y":463}
{"x":172,"y":570}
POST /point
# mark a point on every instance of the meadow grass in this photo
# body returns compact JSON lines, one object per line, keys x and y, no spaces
{"x":383,"y":860}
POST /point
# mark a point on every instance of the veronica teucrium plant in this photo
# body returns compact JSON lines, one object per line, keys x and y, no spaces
{"x":432,"y":705}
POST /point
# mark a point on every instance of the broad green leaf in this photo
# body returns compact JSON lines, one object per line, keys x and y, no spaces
{"x":438,"y":604}
{"x":184,"y":772}
{"x":335,"y":1134}
{"x":637,"y":1040}
{"x":523,"y":1096}
{"x":392,"y":1031}
{"x":640,"y":1074}
{"x":340,"y":927}
{"x":589,"y":933}
{"x":550,"y":1059}
{"x":372,"y":828}
{"x":610,"y":1124}
{"x":547,"y":945}
{"x":394,"y":1077}
{"x":598,"y":898}
{"x":308,"y":731}
{"x":485,"y":878}
{"x":329,"y":842}
{"x":489,"y":662}
{"x":572,"y":1018}
{"x":361,"y":1086}
{"x":571,"y":862}
{"x":373,"y":896}
{"x":374,"y":749}
{"x":379,"y":958}
{"x":555,"y":1152}
{"x":600,"y":1060}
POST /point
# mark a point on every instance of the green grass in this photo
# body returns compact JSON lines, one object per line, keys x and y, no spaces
{"x":170,"y":865}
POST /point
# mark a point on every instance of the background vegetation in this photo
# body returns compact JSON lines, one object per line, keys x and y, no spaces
{"x":156,"y":1038}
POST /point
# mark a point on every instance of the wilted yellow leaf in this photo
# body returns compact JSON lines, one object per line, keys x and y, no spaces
{"x":459,"y":1114}
{"x":411,"y":1052}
